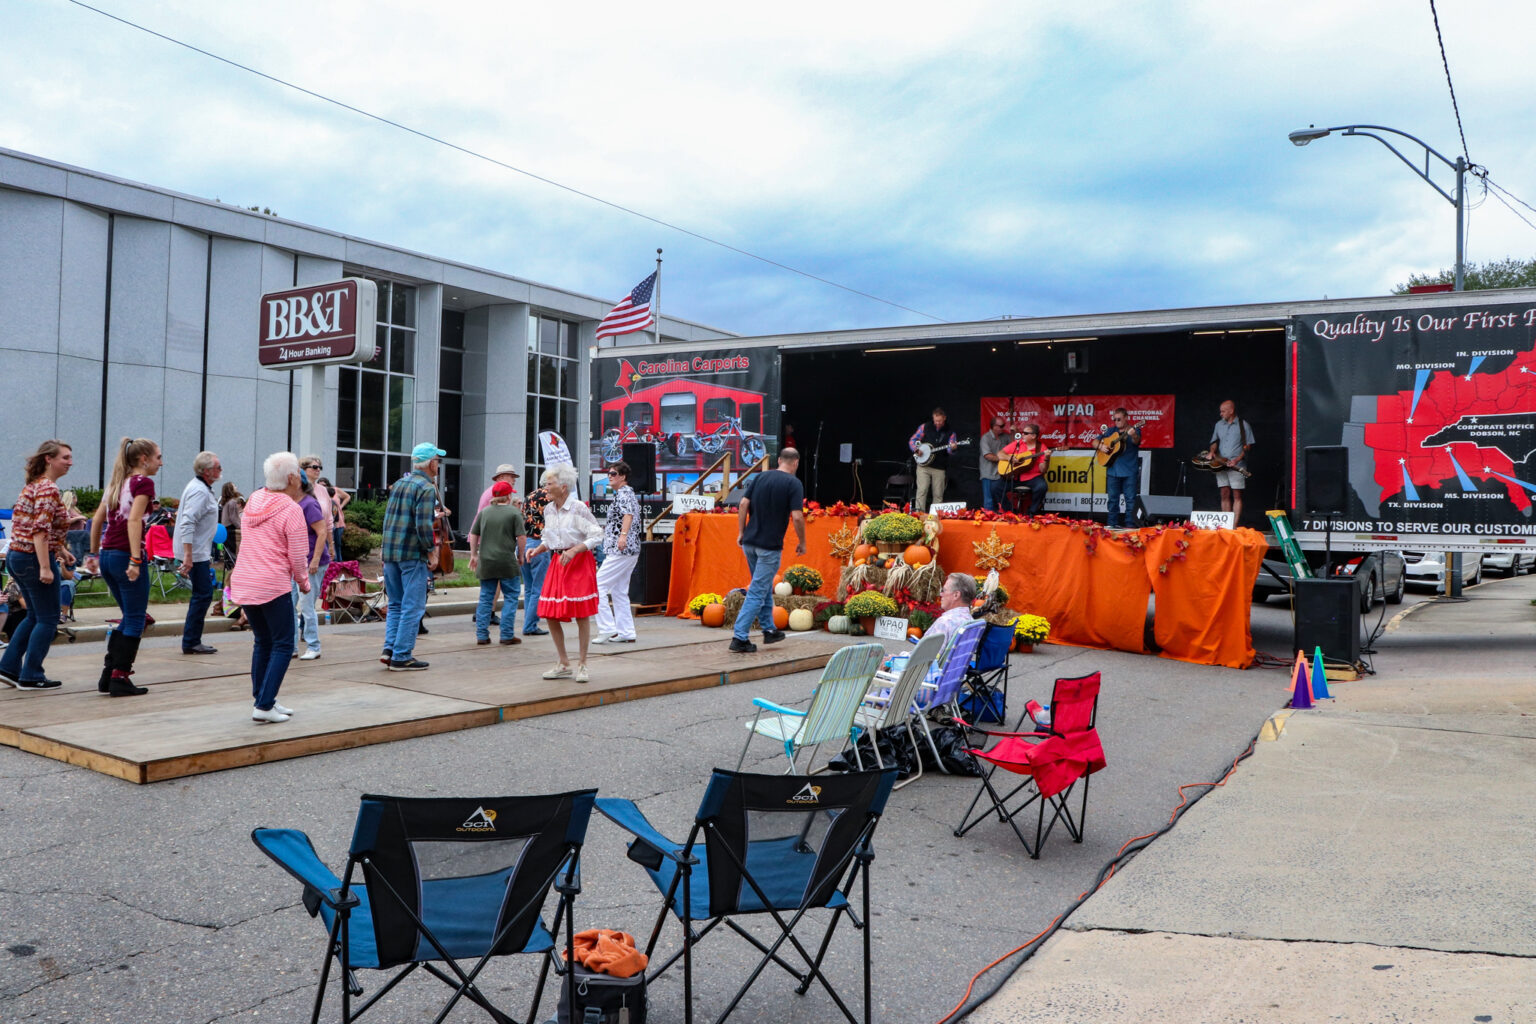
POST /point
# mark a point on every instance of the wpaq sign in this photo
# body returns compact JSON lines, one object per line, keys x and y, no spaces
{"x":319,"y":323}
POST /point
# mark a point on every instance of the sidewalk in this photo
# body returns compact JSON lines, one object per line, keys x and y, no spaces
{"x":1371,"y":863}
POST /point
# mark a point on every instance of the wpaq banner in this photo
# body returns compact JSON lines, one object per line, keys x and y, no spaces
{"x":1438,"y":411}
{"x":690,"y":408}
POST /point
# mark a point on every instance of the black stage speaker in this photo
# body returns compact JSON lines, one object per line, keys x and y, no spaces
{"x":653,"y":573}
{"x":1327,"y":479}
{"x":1328,"y":616}
{"x":641,"y":457}
{"x":1166,"y":508}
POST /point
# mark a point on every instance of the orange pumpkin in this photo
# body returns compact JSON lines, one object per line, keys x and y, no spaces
{"x":918,"y":554}
{"x":780,"y":617}
{"x":914,"y":631}
{"x":865,"y":551}
{"x":713,"y":615}
{"x":861,"y":561}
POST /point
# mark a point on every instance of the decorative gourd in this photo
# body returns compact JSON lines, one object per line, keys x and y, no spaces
{"x":802,"y":619}
{"x":783,"y":589}
{"x":917,"y":554}
{"x":713,"y":615}
{"x":865,"y":551}
{"x":914,"y":631}
{"x":780,"y":617}
{"x":836,"y":624}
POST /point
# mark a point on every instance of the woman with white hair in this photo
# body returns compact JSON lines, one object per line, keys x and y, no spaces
{"x":274,"y":555}
{"x":571,"y":533}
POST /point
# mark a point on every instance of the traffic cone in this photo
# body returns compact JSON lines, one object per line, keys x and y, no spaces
{"x":1319,"y":676}
{"x":1301,"y":686}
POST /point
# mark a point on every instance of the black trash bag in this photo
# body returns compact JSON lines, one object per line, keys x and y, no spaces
{"x":953,"y":753}
{"x":895,"y":751}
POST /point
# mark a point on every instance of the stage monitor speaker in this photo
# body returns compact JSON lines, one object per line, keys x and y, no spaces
{"x":1327,"y":479}
{"x":641,"y":457}
{"x":1328,"y":616}
{"x":653,"y":573}
{"x":1166,"y":508}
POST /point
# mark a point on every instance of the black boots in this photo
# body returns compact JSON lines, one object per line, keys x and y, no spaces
{"x":121,"y":651}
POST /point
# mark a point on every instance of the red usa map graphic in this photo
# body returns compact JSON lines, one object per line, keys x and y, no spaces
{"x":1483,"y":424}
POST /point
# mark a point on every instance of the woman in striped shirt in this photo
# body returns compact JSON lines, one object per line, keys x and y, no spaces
{"x":274,"y":555}
{"x":38,"y":525}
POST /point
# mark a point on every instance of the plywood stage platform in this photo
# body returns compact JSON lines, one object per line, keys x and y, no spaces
{"x":197,"y":715}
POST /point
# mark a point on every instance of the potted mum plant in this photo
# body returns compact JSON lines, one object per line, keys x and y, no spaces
{"x":1029,"y":630}
{"x":803,"y":579}
{"x":867,"y":607}
{"x":892,"y":532}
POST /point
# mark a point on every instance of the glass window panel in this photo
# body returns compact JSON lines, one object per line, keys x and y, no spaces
{"x":346,"y":471}
{"x":371,"y":408}
{"x":532,"y":454}
{"x":399,"y":465}
{"x":402,"y":413}
{"x":370,"y":476}
{"x":549,"y":376}
{"x":346,"y":408}
{"x":567,"y":338}
{"x":381,"y":310}
{"x":718,"y":410}
{"x":549,"y":414}
{"x":451,"y":370}
{"x":533,"y":333}
{"x":449,"y":416}
{"x":453,"y":329}
{"x":450,"y":481}
{"x":381,"y":346}
{"x":549,"y":337}
{"x":402,"y":351}
{"x":567,"y":419}
{"x":402,"y":308}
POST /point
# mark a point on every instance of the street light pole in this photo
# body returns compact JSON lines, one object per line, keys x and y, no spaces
{"x":1303,"y":136}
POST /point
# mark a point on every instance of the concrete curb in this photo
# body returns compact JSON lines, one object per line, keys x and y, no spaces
{"x":97,"y":632}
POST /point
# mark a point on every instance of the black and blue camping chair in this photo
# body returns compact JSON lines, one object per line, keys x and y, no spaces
{"x":443,"y":880}
{"x":987,"y":678}
{"x":780,"y":845}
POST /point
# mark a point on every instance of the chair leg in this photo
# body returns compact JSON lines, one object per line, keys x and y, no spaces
{"x":917,"y":752}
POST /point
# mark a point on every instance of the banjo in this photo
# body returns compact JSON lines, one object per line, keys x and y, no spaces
{"x":924,"y":452}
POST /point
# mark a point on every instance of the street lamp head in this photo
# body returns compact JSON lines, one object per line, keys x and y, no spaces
{"x":1302,"y":136}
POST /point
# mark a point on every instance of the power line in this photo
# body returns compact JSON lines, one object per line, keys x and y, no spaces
{"x":499,"y":163}
{"x":1447,"y":65}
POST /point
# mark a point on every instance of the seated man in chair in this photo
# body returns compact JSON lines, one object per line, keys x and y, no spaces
{"x":955,"y":599}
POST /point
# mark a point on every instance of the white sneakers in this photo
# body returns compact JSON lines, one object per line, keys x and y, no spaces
{"x":309,"y":656}
{"x":558,"y":672}
{"x":280,"y":709}
{"x":602,"y":640}
{"x":273,"y":715}
{"x":581,"y":673}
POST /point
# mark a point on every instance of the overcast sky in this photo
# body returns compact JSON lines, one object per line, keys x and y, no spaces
{"x":967,"y":160}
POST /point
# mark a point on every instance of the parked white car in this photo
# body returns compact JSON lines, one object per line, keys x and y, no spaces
{"x":1511,"y":562}
{"x":1427,"y":569}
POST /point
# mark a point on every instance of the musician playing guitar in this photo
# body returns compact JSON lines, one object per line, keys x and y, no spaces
{"x":1119,"y":451}
{"x":1027,"y":460}
{"x":931,"y":477}
{"x":1230,"y":439}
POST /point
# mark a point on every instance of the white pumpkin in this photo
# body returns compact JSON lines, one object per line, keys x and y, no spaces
{"x":802,"y":619}
{"x":783,"y":589}
{"x":837,"y":624}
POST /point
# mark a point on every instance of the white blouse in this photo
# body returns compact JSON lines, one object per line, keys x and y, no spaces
{"x":571,"y":524}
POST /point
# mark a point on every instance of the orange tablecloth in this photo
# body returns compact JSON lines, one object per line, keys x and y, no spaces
{"x":1092,"y":599}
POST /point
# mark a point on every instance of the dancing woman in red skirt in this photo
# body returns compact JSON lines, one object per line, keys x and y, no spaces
{"x":571,"y":533}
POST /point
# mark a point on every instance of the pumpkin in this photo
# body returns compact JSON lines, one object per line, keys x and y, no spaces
{"x":837,"y":624}
{"x":713,"y":615}
{"x":861,"y":561}
{"x":915,"y":632}
{"x":780,"y":617}
{"x":917,"y":554}
{"x":865,"y":551}
{"x":802,"y":619}
{"x":783,"y":589}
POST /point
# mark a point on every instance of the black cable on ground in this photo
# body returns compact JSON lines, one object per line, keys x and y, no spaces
{"x":1132,"y":847}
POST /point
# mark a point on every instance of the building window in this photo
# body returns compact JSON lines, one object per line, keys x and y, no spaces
{"x":450,"y":409}
{"x":376,"y":408}
{"x":552,"y":381}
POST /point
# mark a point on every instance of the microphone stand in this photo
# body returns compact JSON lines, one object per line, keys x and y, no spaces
{"x":816,"y":462}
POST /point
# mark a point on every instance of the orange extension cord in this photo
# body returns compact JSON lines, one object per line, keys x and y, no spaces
{"x":1105,"y":874}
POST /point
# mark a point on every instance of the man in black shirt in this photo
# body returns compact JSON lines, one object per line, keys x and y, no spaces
{"x":772,"y":500}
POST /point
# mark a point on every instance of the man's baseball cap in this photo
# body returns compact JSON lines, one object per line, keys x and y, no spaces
{"x":505,"y":469}
{"x":426,"y":452}
{"x":500,"y":489}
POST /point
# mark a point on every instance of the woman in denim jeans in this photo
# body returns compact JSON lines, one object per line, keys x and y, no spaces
{"x":38,"y":525}
{"x":117,"y":533}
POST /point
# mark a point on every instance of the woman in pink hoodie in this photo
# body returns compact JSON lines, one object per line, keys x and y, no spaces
{"x":274,"y":554}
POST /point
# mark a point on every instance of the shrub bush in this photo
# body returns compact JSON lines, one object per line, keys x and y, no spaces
{"x":86,"y":500}
{"x":357,"y":543}
{"x":366,"y":514}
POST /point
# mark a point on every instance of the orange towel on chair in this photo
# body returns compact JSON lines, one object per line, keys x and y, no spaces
{"x":608,"y":952}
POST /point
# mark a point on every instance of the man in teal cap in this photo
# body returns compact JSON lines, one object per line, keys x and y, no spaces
{"x":407,"y":542}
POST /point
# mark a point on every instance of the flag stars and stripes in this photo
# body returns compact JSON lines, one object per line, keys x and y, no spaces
{"x":633,"y":313}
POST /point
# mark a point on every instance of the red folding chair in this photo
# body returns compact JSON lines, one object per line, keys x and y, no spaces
{"x":1053,"y":759}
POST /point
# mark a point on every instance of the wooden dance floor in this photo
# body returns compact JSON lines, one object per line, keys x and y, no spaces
{"x":197,"y":715}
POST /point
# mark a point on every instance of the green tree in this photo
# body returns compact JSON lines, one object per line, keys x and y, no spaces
{"x":1506,"y":273}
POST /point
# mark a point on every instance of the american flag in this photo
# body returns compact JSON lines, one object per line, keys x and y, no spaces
{"x":633,"y":313}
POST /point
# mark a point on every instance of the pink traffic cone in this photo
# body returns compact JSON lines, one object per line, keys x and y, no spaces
{"x":1301,"y":686}
{"x":1319,"y":676}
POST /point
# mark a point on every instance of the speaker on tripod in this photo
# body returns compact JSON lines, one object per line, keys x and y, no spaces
{"x":1326,"y":469}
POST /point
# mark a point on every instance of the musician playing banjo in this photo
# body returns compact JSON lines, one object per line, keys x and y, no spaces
{"x":1230,"y":439}
{"x":1122,"y":476}
{"x":932,"y":475}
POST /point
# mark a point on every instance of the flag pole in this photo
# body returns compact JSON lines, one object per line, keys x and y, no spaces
{"x":656,"y":298}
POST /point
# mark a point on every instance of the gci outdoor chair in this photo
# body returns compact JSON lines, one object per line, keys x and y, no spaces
{"x":349,"y":599}
{"x":886,"y":707}
{"x":941,"y":696}
{"x":161,"y":555}
{"x":844,"y":682}
{"x":773,"y":845}
{"x":442,"y":880}
{"x":1052,"y":760}
{"x":987,"y":677}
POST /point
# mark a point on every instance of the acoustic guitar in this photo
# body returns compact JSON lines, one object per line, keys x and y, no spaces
{"x":924,"y":452}
{"x":1109,"y":447}
{"x":1214,"y":463}
{"x":1010,"y":460}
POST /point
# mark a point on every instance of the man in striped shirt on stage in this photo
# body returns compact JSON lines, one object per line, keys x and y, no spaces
{"x":407,"y":542}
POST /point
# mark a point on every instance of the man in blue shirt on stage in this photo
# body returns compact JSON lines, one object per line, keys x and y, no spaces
{"x":1122,"y":477}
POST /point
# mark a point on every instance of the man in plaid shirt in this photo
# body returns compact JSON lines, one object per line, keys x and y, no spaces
{"x":407,"y":542}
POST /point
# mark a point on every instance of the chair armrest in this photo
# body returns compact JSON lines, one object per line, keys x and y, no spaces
{"x":628,"y":817}
{"x":768,"y":705}
{"x":295,"y":854}
{"x":993,"y":732}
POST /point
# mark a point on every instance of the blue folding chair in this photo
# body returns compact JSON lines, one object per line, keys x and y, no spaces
{"x":954,"y":663}
{"x":443,"y":880}
{"x":987,"y":678}
{"x":776,"y":845}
